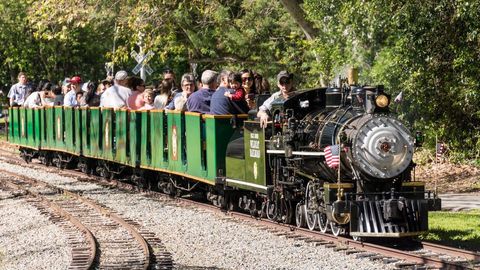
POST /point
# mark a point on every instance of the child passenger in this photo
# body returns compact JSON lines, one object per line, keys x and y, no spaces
{"x":235,"y":80}
{"x":148,"y":98}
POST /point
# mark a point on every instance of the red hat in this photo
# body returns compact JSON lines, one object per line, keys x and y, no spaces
{"x":76,"y":80}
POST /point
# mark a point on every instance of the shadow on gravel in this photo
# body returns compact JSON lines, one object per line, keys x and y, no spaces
{"x":188,"y":267}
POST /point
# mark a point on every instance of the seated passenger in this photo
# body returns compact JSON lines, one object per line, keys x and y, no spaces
{"x":200,"y":100}
{"x":91,"y":97}
{"x":162,"y":99}
{"x":250,"y":88}
{"x":148,"y":98}
{"x":117,"y":95}
{"x":39,"y":98}
{"x":221,"y":103}
{"x":58,"y":99}
{"x":179,"y":101}
{"x":135,"y":100}
{"x":70,"y":99}
{"x":285,"y":84}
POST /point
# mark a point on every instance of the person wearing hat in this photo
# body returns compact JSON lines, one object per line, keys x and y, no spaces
{"x":116,"y":96}
{"x":70,"y":99}
{"x":285,"y":84}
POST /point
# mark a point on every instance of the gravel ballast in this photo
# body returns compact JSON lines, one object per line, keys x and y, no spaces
{"x":28,"y":240}
{"x":202,"y":239}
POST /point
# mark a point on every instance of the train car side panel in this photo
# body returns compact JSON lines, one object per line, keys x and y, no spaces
{"x":59,"y":142}
{"x":194,"y":144}
{"x":107,"y":134}
{"x":176,"y":127}
{"x":69,"y":113}
{"x":121,"y":129}
{"x":134,"y":137}
{"x":78,"y":142}
{"x":145,"y":140}
{"x":218,"y":131}
{"x":159,"y":147}
{"x":95,"y":132}
{"x":85,"y":131}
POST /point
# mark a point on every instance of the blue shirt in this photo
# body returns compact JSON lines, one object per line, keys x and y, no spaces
{"x":200,"y":101}
{"x":70,"y":99}
{"x":220,"y":104}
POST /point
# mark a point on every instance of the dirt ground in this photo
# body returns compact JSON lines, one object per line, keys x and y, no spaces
{"x":457,"y":178}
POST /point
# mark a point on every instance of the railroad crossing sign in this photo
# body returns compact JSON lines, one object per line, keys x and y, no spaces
{"x":142,"y":65}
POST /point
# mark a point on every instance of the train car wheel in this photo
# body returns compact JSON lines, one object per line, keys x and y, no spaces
{"x":300,"y":216}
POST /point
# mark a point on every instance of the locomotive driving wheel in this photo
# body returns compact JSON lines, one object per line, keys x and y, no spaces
{"x":300,"y":215}
{"x":311,"y":206}
{"x":322,"y":221}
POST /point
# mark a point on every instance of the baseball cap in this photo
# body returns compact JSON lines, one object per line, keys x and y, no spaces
{"x":121,"y":75}
{"x":284,"y":74}
{"x":66,"y":82}
{"x":76,"y":80}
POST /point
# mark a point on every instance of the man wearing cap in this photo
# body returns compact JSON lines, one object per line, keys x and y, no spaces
{"x":116,"y":96}
{"x":19,"y":90}
{"x":285,"y":84}
{"x":200,"y":101}
{"x":70,"y":99}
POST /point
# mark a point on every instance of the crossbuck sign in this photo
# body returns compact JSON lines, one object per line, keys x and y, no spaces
{"x":142,"y":65}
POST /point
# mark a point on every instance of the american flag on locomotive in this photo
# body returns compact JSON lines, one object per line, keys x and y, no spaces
{"x":332,"y":155}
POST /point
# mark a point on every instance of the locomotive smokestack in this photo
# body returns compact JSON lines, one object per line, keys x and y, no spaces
{"x":352,"y":76}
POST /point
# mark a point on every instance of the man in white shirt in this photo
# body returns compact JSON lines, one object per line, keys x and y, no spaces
{"x":70,"y":99}
{"x":116,"y":96}
{"x":18,"y":91}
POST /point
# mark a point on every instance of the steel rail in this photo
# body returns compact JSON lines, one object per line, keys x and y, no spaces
{"x":78,"y":255}
{"x":138,"y":237}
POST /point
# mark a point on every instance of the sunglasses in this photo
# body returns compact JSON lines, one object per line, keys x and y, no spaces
{"x":245,"y":79}
{"x":284,"y":81}
{"x":143,"y":85}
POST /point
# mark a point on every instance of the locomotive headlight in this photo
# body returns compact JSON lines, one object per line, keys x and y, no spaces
{"x":381,"y":101}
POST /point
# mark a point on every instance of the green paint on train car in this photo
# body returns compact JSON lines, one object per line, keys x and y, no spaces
{"x":158,"y":140}
{"x":95,"y":132}
{"x":255,"y":174}
{"x":121,"y":129}
{"x":176,"y":129}
{"x":219,"y":130}
{"x":107,"y":137}
{"x":23,"y":126}
{"x":69,"y":127}
{"x":134,"y":137}
{"x":85,"y":125}
{"x":146,"y":140}
{"x":37,"y":131}
{"x":78,"y":140}
{"x":194,"y":145}
{"x":58,"y":141}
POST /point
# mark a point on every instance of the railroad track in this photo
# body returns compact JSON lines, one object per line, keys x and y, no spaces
{"x":122,"y":244}
{"x":425,"y":255}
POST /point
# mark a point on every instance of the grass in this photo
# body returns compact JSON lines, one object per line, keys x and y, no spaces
{"x":456,"y":229}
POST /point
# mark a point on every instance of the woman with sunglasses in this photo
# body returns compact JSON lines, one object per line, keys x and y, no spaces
{"x":249,"y":86}
{"x":135,"y":101}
